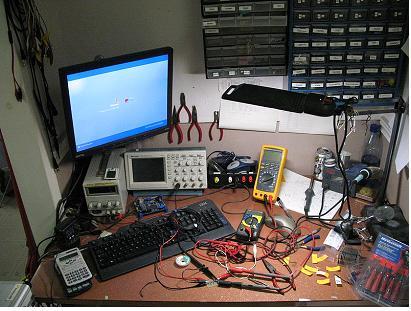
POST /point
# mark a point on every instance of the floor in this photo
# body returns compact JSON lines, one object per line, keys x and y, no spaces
{"x":13,"y":250}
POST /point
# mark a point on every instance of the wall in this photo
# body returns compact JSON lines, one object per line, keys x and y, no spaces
{"x":25,"y":144}
{"x":80,"y":30}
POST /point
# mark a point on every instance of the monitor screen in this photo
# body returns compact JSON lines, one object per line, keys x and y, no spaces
{"x":117,"y":100}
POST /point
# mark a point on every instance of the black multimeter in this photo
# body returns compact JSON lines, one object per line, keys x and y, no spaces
{"x":251,"y":225}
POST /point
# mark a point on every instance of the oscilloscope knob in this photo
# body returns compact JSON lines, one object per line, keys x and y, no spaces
{"x":188,"y":163}
{"x":200,"y":178}
{"x":185,"y":178}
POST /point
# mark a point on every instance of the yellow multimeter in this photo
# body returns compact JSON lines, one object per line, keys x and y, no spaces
{"x":270,"y":172}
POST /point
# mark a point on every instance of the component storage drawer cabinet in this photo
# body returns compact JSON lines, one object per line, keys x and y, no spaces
{"x":245,"y":38}
{"x":347,"y":48}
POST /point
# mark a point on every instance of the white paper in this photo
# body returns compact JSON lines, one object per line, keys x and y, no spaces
{"x":402,"y":157}
{"x":334,"y":240}
{"x":304,"y":123}
{"x":234,"y":115}
{"x":292,"y":193}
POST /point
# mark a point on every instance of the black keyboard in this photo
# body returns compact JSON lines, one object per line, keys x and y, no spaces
{"x":135,"y":246}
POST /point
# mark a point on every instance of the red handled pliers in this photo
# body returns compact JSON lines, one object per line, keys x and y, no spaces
{"x":175,"y":124}
{"x":216,"y":120}
{"x":183,"y":105}
{"x":194,"y":122}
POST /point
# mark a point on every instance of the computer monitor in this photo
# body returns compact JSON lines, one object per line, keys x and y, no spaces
{"x":114,"y":101}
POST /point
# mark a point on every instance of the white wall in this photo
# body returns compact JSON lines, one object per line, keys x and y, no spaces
{"x":80,"y":30}
{"x":25,"y":144}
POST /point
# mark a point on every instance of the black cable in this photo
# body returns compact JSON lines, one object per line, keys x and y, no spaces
{"x":238,"y":201}
{"x":42,"y":241}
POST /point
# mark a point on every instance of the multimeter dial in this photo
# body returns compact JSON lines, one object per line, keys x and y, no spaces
{"x":251,"y":221}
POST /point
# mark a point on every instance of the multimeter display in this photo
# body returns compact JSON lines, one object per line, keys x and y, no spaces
{"x":272,"y":162}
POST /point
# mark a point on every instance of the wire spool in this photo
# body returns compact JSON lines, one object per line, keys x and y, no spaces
{"x":183,"y":261}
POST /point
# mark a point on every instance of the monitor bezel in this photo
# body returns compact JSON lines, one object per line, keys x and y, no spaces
{"x":104,"y":62}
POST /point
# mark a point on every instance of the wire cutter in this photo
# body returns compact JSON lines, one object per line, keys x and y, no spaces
{"x":183,"y":105}
{"x":194,"y":122}
{"x":215,"y":122}
{"x":175,"y":125}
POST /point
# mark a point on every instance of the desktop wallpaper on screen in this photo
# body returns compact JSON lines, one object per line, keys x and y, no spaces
{"x":115,"y":102}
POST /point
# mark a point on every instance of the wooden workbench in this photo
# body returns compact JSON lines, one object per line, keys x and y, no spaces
{"x":124,"y":290}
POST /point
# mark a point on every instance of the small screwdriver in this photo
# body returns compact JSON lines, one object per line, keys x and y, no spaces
{"x":396,"y":290}
{"x":371,"y":276}
{"x":377,"y":281}
{"x":390,"y":286}
{"x":385,"y":279}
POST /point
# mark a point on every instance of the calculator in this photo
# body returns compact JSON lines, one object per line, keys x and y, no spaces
{"x":73,"y":271}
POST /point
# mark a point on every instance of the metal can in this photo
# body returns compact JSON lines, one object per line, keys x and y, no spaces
{"x":322,"y":154}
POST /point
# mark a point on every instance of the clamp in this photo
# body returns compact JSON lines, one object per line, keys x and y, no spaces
{"x":194,"y":122}
{"x":175,"y":124}
{"x":216,"y":122}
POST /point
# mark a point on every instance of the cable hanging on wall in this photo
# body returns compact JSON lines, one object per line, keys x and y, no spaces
{"x":27,"y":27}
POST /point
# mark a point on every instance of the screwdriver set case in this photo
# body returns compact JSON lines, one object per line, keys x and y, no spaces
{"x":384,"y":277}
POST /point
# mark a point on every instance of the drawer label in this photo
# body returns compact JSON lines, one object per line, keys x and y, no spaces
{"x":388,"y":69}
{"x":298,"y":85}
{"x":337,"y":30}
{"x":370,"y":70}
{"x":393,"y":43}
{"x":373,"y":43}
{"x":245,"y":8}
{"x":356,"y":43}
{"x":322,"y":31}
{"x":317,"y":85}
{"x":357,"y":29}
{"x":209,"y":23}
{"x":319,"y":44}
{"x":368,"y":96}
{"x":301,"y":44}
{"x":300,"y":59}
{"x":354,"y":57}
{"x":336,"y":57}
{"x":385,"y":95}
{"x":318,"y":71}
{"x":299,"y":72}
{"x":228,"y":9}
{"x":335,"y":71}
{"x":353,"y":71}
{"x":214,"y":30}
{"x":391,"y":56}
{"x":210,"y":9}
{"x":338,"y":44}
{"x":318,"y":59}
{"x":352,"y":84}
{"x":369,"y":84}
{"x":334,"y":84}
{"x":394,"y":29}
{"x":376,"y":28}
{"x":301,"y":30}
{"x":278,"y":5}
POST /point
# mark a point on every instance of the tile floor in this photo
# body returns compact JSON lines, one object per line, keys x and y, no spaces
{"x":13,"y":250}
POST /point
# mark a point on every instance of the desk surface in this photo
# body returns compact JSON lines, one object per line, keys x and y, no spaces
{"x":124,"y":289}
